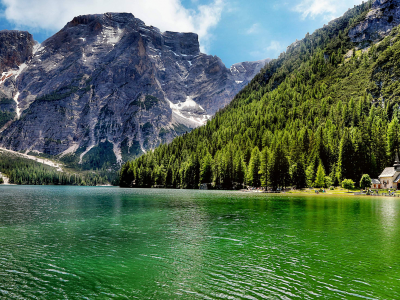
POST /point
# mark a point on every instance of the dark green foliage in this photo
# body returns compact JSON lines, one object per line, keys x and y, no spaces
{"x":6,"y":116}
{"x":278,"y":168}
{"x":8,"y":105}
{"x":28,"y":172}
{"x":253,"y":173}
{"x":310,"y":107}
{"x":147,"y":127}
{"x":130,"y":152}
{"x":206,"y":169}
{"x":365,"y":181}
{"x":101,"y":156}
{"x":348,"y":184}
{"x":63,"y":92}
{"x":299,"y":175}
{"x":6,"y":101}
{"x":150,"y":101}
{"x":181,"y":129}
{"x":59,"y":94}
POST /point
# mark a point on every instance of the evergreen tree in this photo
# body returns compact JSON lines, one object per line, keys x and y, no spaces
{"x":310,"y":175}
{"x":279,"y":175}
{"x":253,"y":174}
{"x":299,"y":175}
{"x":320,"y":177}
{"x":206,"y":169}
{"x":393,"y":138}
{"x":346,"y":161}
{"x":265,"y":156}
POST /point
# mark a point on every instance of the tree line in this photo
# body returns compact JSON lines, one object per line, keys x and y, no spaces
{"x":323,"y":112}
{"x":23,"y":171}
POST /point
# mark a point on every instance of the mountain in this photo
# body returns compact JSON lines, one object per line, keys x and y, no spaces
{"x":378,"y":23}
{"x":326,"y":110}
{"x":16,"y":47}
{"x":109,"y":88}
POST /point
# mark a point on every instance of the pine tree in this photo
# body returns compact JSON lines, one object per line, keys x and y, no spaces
{"x":279,"y":175}
{"x":299,"y":175}
{"x":253,"y":176}
{"x":310,"y":175}
{"x":346,"y":161}
{"x":320,"y":177}
{"x":265,"y":155}
{"x":206,"y":169}
{"x":393,"y":138}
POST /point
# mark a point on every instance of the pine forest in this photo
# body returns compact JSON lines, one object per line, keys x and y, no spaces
{"x":321,"y":113}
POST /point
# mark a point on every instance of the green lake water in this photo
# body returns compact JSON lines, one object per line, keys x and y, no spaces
{"x":111,"y":243}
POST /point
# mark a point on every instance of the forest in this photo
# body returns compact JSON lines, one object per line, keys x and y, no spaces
{"x":23,"y":171}
{"x":322,"y":112}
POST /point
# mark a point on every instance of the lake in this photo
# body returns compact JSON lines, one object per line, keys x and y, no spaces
{"x":108,"y":243}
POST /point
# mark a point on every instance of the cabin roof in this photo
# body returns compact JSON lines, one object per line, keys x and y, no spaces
{"x":376,"y":181}
{"x":388,"y":172}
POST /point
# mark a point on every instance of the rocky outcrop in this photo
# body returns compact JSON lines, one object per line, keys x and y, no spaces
{"x":109,"y":83}
{"x":16,"y":47}
{"x":380,"y":20}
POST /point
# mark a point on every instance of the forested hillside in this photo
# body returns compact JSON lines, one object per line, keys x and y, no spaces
{"x":318,"y":112}
{"x":21,"y":170}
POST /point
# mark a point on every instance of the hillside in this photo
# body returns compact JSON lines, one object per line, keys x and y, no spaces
{"x":107,"y":88}
{"x":18,"y":168}
{"x":329,"y":105}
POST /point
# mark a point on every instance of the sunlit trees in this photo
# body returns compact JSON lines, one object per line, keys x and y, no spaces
{"x":348,"y":184}
{"x":365,"y":181}
{"x":320,"y":177}
{"x":302,"y":112}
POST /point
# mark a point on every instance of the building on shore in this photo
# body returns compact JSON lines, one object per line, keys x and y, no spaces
{"x":390,"y":177}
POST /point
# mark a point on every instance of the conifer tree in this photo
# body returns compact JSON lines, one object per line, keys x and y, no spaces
{"x":265,"y":156}
{"x":206,"y":169}
{"x":393,"y":138}
{"x":299,"y":175}
{"x":253,"y":176}
{"x":279,"y":175}
{"x":346,"y":162}
{"x":310,"y":175}
{"x":320,"y":177}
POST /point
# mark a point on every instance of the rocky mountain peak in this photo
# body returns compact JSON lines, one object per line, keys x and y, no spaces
{"x":16,"y":47}
{"x":380,"y":20}
{"x":109,"y":85}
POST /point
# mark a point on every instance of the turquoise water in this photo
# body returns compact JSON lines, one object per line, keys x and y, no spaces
{"x":111,"y":243}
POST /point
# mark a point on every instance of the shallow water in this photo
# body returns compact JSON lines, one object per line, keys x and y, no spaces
{"x":85,"y":243}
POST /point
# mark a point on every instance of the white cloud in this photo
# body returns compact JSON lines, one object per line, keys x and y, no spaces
{"x":165,"y":14}
{"x":328,"y":8}
{"x":275,"y":46}
{"x":255,"y":28}
{"x":271,"y":50}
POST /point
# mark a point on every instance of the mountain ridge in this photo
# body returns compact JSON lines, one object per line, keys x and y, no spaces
{"x":109,"y":84}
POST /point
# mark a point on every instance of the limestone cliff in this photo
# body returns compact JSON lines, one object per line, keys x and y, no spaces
{"x":109,"y":86}
{"x":381,"y":19}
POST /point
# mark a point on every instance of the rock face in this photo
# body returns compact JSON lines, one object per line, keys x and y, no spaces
{"x":381,"y":19}
{"x":16,"y":47}
{"x":110,"y":86}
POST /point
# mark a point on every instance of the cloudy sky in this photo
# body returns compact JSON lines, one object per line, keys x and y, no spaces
{"x":234,"y":30}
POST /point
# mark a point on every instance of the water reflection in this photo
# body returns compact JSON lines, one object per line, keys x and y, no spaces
{"x":154,"y":244}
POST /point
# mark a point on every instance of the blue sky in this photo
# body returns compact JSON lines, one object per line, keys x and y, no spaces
{"x":235,"y":30}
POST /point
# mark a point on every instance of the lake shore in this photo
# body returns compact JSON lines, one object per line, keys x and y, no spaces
{"x":311,"y":192}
